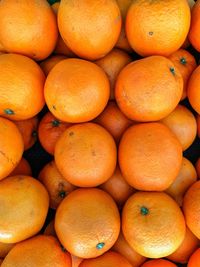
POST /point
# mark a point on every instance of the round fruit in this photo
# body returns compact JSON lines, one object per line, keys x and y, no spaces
{"x":191,"y":208}
{"x":113,"y":120}
{"x":112,"y":64}
{"x":197,"y":166}
{"x":21,"y":86}
{"x":24,"y":208}
{"x":198,"y":125}
{"x":153,"y":224}
{"x":121,"y":246}
{"x":5,"y":248}
{"x":76,"y":90}
{"x":43,"y":251}
{"x":158,"y":263}
{"x":49,"y":130}
{"x":76,"y":261}
{"x":194,"y":260}
{"x":158,"y":27}
{"x":55,"y":183}
{"x":109,"y":259}
{"x":48,"y":64}
{"x":28,"y":130}
{"x":150,"y":156}
{"x":11,"y":147}
{"x":23,"y":168}
{"x":194,"y":28}
{"x":87,"y":222}
{"x":89,"y":28}
{"x":118,"y":188}
{"x":28,"y":28}
{"x":183,"y":124}
{"x":149,"y":89}
{"x":185,"y":63}
{"x":193,"y":90}
{"x":186,"y":177}
{"x":86,"y":155}
{"x":188,"y":246}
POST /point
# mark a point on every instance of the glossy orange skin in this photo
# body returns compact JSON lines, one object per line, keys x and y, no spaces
{"x":194,"y":260}
{"x":113,"y":120}
{"x":149,"y":89}
{"x":193,"y":89}
{"x":79,"y":28}
{"x":186,"y":63}
{"x":109,"y":259}
{"x":49,"y":130}
{"x":197,"y":166}
{"x":153,"y":224}
{"x":85,"y":219}
{"x":5,"y":248}
{"x":195,"y":24}
{"x":38,"y":251}
{"x":21,"y":87}
{"x":121,"y":246}
{"x":55,"y":183}
{"x":191,"y":208}
{"x":150,"y":156}
{"x":86,"y":155}
{"x":158,"y":263}
{"x":68,"y":90}
{"x":11,"y":147}
{"x":28,"y":129}
{"x":48,"y":64}
{"x":112,"y":64}
{"x":187,"y":248}
{"x":22,"y":168}
{"x":21,"y":33}
{"x":31,"y":201}
{"x":118,"y":188}
{"x":159,"y":27}
{"x":182,"y":123}
{"x":186,"y":177}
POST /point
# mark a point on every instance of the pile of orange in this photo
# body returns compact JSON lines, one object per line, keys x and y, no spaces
{"x":99,"y":133}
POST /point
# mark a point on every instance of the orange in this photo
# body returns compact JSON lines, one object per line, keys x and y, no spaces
{"x":112,"y":64}
{"x":153,"y":224}
{"x":159,"y":27}
{"x":11,"y":147}
{"x":4,"y":249}
{"x":49,"y":130}
{"x":109,"y":259}
{"x":24,"y":209}
{"x":118,"y":188}
{"x":76,"y":90}
{"x":90,"y":34}
{"x":149,"y":89}
{"x":1,"y":261}
{"x":193,"y":89}
{"x":150,"y":156}
{"x":22,"y":168}
{"x":191,"y":208}
{"x":183,"y":124}
{"x":49,"y":230}
{"x":113,"y":120}
{"x":87,"y":222}
{"x":194,"y":260}
{"x":158,"y":263}
{"x":186,"y":177}
{"x":198,"y":125}
{"x":122,"y":41}
{"x":195,"y":24}
{"x":185,"y":63}
{"x":121,"y":246}
{"x":198,"y":167}
{"x":21,"y":32}
{"x":55,"y":184}
{"x":43,"y":251}
{"x":61,"y":47}
{"x":86,"y":155}
{"x":76,"y":261}
{"x":28,"y":130}
{"x":188,"y":246}
{"x":48,"y":64}
{"x":22,"y":98}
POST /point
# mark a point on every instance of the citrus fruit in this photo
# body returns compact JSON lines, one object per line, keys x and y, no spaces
{"x":23,"y":168}
{"x":158,"y":263}
{"x":193,"y":89}
{"x":194,"y":260}
{"x":48,"y":64}
{"x":195,"y":23}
